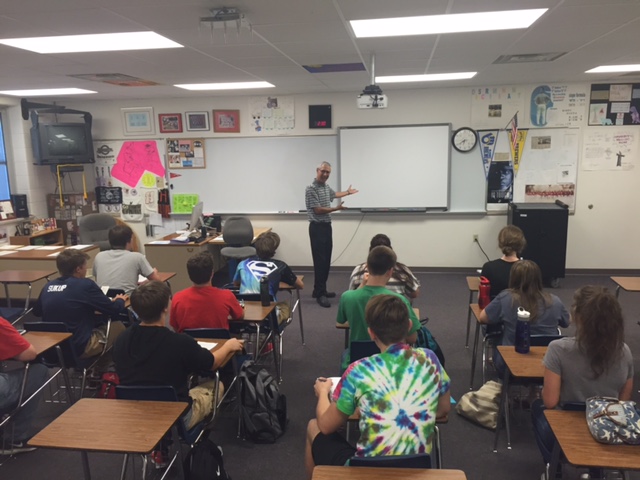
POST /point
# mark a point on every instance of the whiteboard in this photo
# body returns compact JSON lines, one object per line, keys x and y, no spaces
{"x":396,"y":167}
{"x":257,"y":174}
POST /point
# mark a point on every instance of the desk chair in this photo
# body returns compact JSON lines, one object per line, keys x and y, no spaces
{"x":94,"y":229}
{"x":490,"y":336}
{"x":238,"y":236}
{"x":69,"y":358}
{"x":159,"y":393}
{"x":418,"y":460}
{"x":473,"y":283}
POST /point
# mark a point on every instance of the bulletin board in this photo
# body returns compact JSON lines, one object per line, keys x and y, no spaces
{"x":137,"y":167}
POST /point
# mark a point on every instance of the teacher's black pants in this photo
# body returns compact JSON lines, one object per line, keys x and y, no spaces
{"x":321,"y":237}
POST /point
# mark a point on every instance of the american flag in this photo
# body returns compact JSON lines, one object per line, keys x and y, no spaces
{"x":514,"y":130}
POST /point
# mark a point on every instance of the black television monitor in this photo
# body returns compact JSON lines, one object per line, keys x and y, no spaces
{"x":62,"y":143}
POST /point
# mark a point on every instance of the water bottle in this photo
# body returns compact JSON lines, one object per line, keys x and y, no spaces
{"x":265,"y":298}
{"x":484,"y":293}
{"x":523,"y":331}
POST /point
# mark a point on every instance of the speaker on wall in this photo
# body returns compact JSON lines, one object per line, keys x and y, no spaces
{"x":20,"y":207}
{"x":545,"y":228}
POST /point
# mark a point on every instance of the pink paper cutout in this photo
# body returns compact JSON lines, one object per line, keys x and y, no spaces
{"x":134,"y":159}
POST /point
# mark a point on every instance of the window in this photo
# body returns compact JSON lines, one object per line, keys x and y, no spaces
{"x":5,"y":191}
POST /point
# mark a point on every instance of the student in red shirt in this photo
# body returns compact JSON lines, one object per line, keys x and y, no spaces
{"x":202,"y":305}
{"x":14,"y":346}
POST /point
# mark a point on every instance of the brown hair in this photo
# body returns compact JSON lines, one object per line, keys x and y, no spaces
{"x":525,"y":285}
{"x":200,"y":267}
{"x":266,"y":245}
{"x":511,"y":240}
{"x":599,"y":326}
{"x":380,"y":260}
{"x":388,"y":317}
{"x":380,"y":239}
{"x":119,"y":236}
{"x":70,"y":259}
{"x":149,"y":300}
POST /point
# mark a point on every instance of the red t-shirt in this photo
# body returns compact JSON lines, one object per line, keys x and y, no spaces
{"x":203,"y":307}
{"x":11,"y":342}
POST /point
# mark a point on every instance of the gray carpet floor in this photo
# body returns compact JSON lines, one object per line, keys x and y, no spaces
{"x":465,"y":446}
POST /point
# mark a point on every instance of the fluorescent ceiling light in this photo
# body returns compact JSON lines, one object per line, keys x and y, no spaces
{"x":100,"y":42}
{"x":224,"y":86}
{"x":43,"y":92}
{"x":432,"y":77}
{"x":434,"y":24}
{"x":614,"y":68}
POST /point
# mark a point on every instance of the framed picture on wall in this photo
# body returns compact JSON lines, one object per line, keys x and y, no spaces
{"x":138,"y":121}
{"x":226,"y":121}
{"x":197,"y":121}
{"x":170,"y":122}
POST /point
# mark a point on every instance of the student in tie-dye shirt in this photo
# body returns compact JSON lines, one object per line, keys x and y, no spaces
{"x":400,"y":393}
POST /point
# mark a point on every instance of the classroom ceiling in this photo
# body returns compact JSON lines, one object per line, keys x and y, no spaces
{"x":278,"y":37}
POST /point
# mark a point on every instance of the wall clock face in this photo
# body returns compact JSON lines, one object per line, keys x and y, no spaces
{"x":464,"y":139}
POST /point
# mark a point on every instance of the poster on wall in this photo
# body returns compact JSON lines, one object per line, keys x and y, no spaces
{"x":500,"y":176}
{"x":271,"y":114}
{"x":610,"y":149}
{"x":614,"y":104}
{"x":129,"y":165}
{"x":493,"y":107}
{"x":548,"y":167}
{"x":558,"y":105}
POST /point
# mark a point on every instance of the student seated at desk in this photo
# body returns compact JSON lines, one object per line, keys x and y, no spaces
{"x":120,"y":267}
{"x":380,"y":264}
{"x":525,"y":290}
{"x":251,"y":270}
{"x":596,"y":362}
{"x":402,"y":280}
{"x":148,"y":353}
{"x":77,"y":302}
{"x":203,"y":305}
{"x":14,"y":346}
{"x":512,"y":243}
{"x":400,"y":392}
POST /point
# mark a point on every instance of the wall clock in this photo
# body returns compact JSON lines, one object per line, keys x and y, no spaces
{"x":464,"y":139}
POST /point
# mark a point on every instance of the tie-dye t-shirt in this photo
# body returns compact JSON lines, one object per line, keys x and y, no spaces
{"x":397,"y":392}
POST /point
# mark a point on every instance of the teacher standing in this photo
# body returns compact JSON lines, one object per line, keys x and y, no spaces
{"x":318,"y":198}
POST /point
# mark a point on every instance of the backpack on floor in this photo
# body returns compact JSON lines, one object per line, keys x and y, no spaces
{"x":204,"y":462}
{"x":108,"y":384}
{"x":263,"y":409}
{"x":426,"y":340}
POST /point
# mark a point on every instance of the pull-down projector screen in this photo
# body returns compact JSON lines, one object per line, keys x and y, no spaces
{"x":403,"y":167}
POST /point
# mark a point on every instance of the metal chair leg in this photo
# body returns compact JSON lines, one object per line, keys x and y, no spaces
{"x":437,"y":447}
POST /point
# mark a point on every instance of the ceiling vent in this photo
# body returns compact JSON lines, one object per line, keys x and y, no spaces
{"x":529,"y":57}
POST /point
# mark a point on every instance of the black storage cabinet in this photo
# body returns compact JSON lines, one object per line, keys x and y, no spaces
{"x":545,"y":228}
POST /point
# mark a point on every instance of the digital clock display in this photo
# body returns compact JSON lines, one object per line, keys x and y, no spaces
{"x":319,"y":116}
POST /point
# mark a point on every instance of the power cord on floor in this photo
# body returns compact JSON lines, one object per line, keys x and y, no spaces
{"x":350,"y":240}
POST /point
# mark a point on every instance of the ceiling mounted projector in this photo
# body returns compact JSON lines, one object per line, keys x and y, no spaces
{"x":372,"y":97}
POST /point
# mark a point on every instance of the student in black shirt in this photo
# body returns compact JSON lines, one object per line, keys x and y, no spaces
{"x":512,"y":242}
{"x":151,"y":354}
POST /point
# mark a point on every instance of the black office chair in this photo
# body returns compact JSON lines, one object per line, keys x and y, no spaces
{"x":419,"y":460}
{"x":159,"y":393}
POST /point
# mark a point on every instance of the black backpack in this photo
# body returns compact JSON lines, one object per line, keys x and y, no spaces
{"x":263,"y":409}
{"x":204,"y":462}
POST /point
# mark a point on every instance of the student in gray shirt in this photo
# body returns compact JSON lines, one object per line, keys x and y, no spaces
{"x":596,"y":362}
{"x":119,"y":268}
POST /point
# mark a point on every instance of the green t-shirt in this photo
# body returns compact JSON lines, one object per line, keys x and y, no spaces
{"x":351,"y":309}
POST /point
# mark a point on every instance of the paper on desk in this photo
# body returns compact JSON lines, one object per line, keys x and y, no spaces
{"x":218,"y":239}
{"x":208,"y":345}
{"x":9,"y":247}
{"x":104,"y":289}
{"x":49,"y":247}
{"x":28,"y":247}
{"x":6,"y":252}
{"x":80,"y":247}
{"x":55,"y":254}
{"x":160,"y":242}
{"x":141,"y":278}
